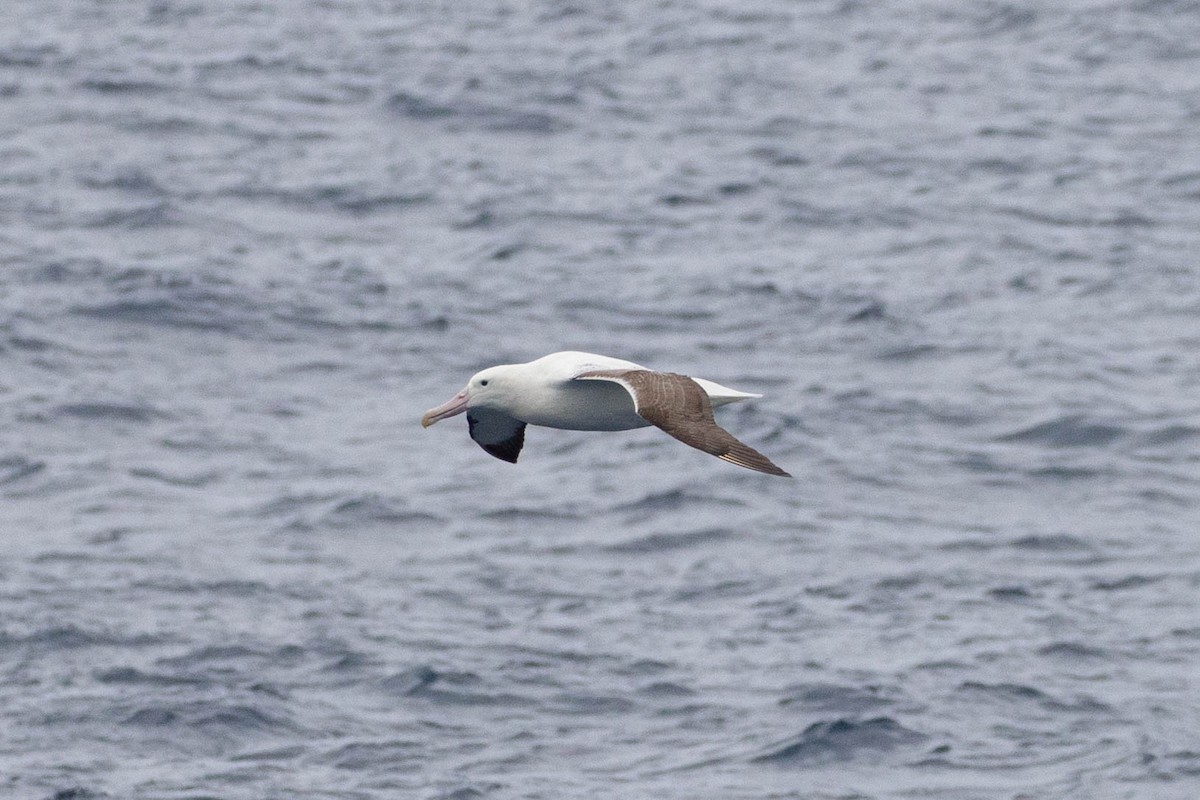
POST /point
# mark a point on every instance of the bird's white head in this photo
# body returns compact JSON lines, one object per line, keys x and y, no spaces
{"x":487,"y":388}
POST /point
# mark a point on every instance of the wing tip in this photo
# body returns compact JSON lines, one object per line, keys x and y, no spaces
{"x":760,"y":463}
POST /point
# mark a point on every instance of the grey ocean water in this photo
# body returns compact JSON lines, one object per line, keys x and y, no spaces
{"x":243,"y":245}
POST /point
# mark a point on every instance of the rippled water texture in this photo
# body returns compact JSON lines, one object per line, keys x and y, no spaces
{"x":245,"y":245}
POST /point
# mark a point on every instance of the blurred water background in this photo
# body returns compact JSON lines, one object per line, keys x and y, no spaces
{"x":244,"y":244}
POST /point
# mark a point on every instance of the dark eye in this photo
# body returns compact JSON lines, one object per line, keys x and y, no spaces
{"x":483,"y":383}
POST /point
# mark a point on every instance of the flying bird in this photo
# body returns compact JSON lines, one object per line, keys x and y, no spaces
{"x":586,"y":392}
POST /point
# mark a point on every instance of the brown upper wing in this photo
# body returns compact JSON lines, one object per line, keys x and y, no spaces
{"x":678,"y":405}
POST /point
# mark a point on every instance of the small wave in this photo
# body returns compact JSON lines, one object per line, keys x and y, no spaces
{"x":371,"y":509}
{"x":1020,"y":693}
{"x":1034,"y":131}
{"x":448,"y":688}
{"x":777,"y":157}
{"x":529,"y":515}
{"x":999,"y":166}
{"x":675,"y":499}
{"x":15,"y":468}
{"x":288,"y":504}
{"x":210,"y":717}
{"x":70,"y":637}
{"x":645,"y":667}
{"x":631,"y":316}
{"x":842,"y":740}
{"x":194,"y":481}
{"x":342,"y":301}
{"x":79,"y":793}
{"x":1009,"y":593}
{"x":658,"y":542}
{"x":153,"y":215}
{"x":352,"y":199}
{"x":110,"y":412}
{"x":720,"y":589}
{"x":871,"y":312}
{"x":203,"y":656}
{"x":810,"y":215}
{"x":759,"y":294}
{"x":1126,"y":582}
{"x":1061,"y":472}
{"x":410,"y":681}
{"x":912,"y":352}
{"x":197,"y":311}
{"x":151,"y":717}
{"x":678,"y":199}
{"x":665,"y":689}
{"x":348,"y":661}
{"x":176,"y":299}
{"x":132,"y":676}
{"x":291,"y":503}
{"x":584,"y":703}
{"x":481,"y":115}
{"x":275,"y":754}
{"x":416,"y":107}
{"x":1055,"y":543}
{"x":126,"y":179}
{"x":27,"y":55}
{"x":1168,"y":435}
{"x":331,"y":93}
{"x":999,"y":18}
{"x":1071,"y":650}
{"x":1181,"y":766}
{"x":58,"y":557}
{"x":1067,"y":431}
{"x":228,"y":587}
{"x":123,"y":86}
{"x":1185,"y":185}
{"x":32,"y":344}
{"x":395,"y":754}
{"x":829,"y":697}
{"x":470,"y":792}
{"x":1118,"y":219}
{"x":239,"y":65}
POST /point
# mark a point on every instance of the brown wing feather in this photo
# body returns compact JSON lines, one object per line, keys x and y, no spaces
{"x":680,"y":406}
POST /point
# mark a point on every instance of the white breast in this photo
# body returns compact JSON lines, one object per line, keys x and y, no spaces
{"x":581,"y":406}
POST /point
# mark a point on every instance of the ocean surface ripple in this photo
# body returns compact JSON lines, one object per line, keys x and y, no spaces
{"x":246,"y":244}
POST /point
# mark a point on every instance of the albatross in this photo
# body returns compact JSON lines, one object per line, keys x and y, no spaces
{"x":588,"y":392}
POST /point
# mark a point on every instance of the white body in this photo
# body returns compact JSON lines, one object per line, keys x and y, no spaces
{"x":551,"y":397}
{"x":587,"y":392}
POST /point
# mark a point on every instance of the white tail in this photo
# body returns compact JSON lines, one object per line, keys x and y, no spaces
{"x":722,"y":395}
